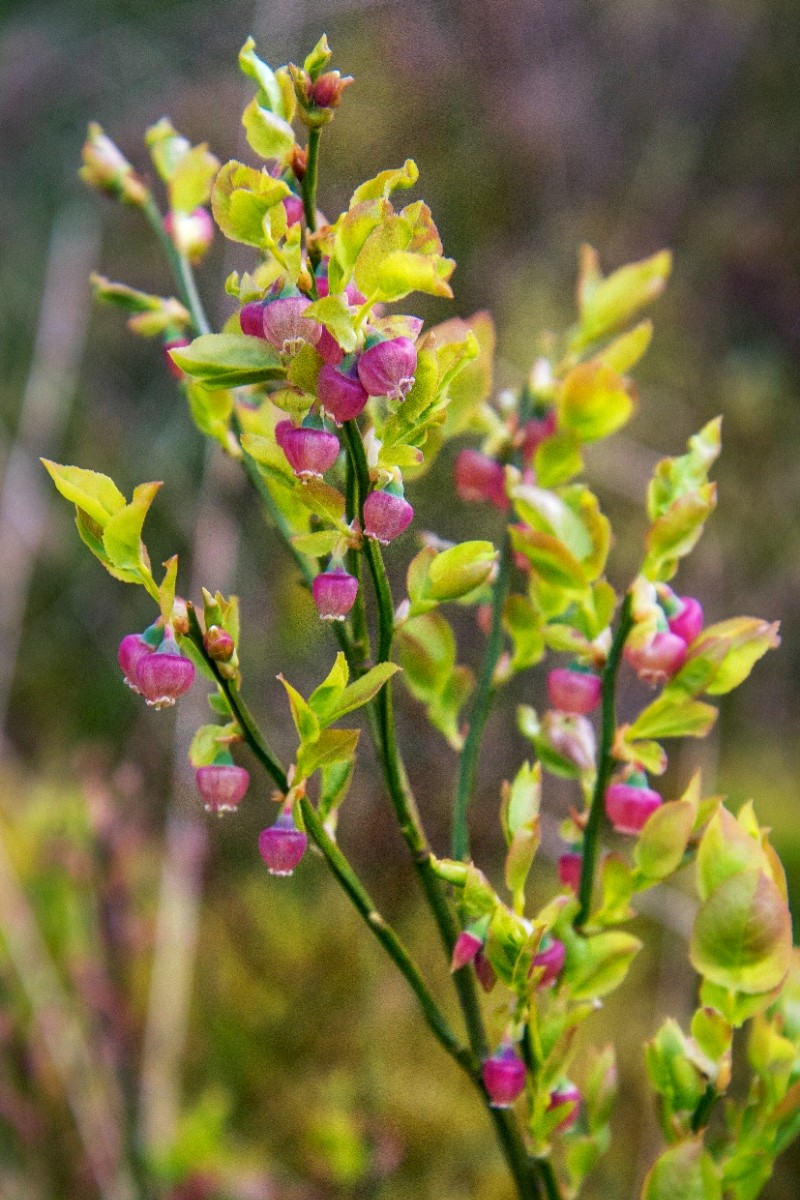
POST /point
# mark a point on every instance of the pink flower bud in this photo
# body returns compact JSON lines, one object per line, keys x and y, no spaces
{"x":132,"y":649}
{"x":386,"y":516}
{"x":387,"y":368}
{"x":504,"y":1076}
{"x":219,"y":644}
{"x":480,"y":478}
{"x":567,"y":1095}
{"x":628,"y":806}
{"x":105,"y":167}
{"x":251,"y":319}
{"x":688,"y":621}
{"x":575,"y":692}
{"x":340,"y":393}
{"x":485,"y":972}
{"x":572,"y":737}
{"x":467,"y":945}
{"x":286,"y":328}
{"x":326,"y":92}
{"x":552,"y":959}
{"x":569,"y":870}
{"x":310,"y":452}
{"x":658,"y":659}
{"x":172,"y":366}
{"x":282,"y":845}
{"x":165,"y":674}
{"x":354,"y":297}
{"x":191,"y":232}
{"x":334,"y":594}
{"x":222,"y":786}
{"x":294,"y":210}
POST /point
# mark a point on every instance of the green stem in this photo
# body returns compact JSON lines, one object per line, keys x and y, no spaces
{"x":468,"y":764}
{"x":552,"y":1190}
{"x":181,"y":270}
{"x":702,"y":1113}
{"x":252,"y":733}
{"x":605,"y":763}
{"x":391,"y":943}
{"x":361,"y":644}
{"x":309,"y":184}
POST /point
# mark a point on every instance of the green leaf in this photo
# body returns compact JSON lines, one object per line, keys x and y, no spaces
{"x":334,"y":313}
{"x":523,"y":623}
{"x":401,"y":272}
{"x":521,"y":825}
{"x":673,"y":716}
{"x":626,"y":350}
{"x":208,"y":741}
{"x":336,"y":779}
{"x":558,"y":459}
{"x":323,"y":500}
{"x":552,"y":561}
{"x":597,"y":965}
{"x":241,"y":199}
{"x":382,"y":186}
{"x":251,"y":65}
{"x":685,"y":1171}
{"x":305,"y":720}
{"x":677,"y":531}
{"x":618,"y":885}
{"x":606,"y":304}
{"x":267,"y":133}
{"x":748,"y":640}
{"x":317,"y":544}
{"x":726,"y":849}
{"x":460,"y":570}
{"x":593,"y":402}
{"x":333,"y":746}
{"x":166,"y":592}
{"x":211,"y":411}
{"x":224,"y":360}
{"x":190,"y":181}
{"x":361,"y":691}
{"x":94,"y":494}
{"x":473,"y":384}
{"x":742,"y":937}
{"x":662,"y":843}
{"x":331,"y":688}
{"x":316,"y":62}
{"x":350,"y":233}
{"x":122,"y":536}
{"x":681,"y":476}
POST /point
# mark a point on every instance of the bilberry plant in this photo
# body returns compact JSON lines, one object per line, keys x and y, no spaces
{"x":334,"y":400}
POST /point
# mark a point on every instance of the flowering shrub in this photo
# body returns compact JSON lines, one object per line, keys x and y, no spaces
{"x":333,"y":401}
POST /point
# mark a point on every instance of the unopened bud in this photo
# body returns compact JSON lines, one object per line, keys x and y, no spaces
{"x":106,"y":168}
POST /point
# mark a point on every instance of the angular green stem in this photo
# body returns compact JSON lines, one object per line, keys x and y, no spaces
{"x":468,"y":764}
{"x":179,"y":264}
{"x":309,"y":184}
{"x":605,"y":763}
{"x":702,"y":1113}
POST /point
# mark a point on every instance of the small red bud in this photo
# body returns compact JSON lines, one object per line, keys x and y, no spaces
{"x":467,"y":945}
{"x":565,"y":1095}
{"x":191,"y":232}
{"x":552,"y":958}
{"x":687,"y":623}
{"x":570,"y":866}
{"x":219,"y":644}
{"x":326,"y":92}
{"x":504,"y":1076}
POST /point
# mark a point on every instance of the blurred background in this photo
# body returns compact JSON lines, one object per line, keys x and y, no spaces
{"x":157,"y":990}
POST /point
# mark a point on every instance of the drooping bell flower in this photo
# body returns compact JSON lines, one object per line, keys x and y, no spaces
{"x":387,"y":514}
{"x":329,"y":349}
{"x":658,"y":659}
{"x":503,"y":1076}
{"x":573,"y":690}
{"x":469,"y":944}
{"x":293,"y":207}
{"x":166,"y":674}
{"x":334,"y":592}
{"x":480,"y":478}
{"x":309,"y":451}
{"x":551,"y":957}
{"x":222,"y":785}
{"x":687,"y":622}
{"x":251,"y":318}
{"x":340,"y":392}
{"x":282,"y":845}
{"x":630,"y":804}
{"x":388,"y":368}
{"x":133,"y":648}
{"x":567,"y":1097}
{"x":285,"y":326}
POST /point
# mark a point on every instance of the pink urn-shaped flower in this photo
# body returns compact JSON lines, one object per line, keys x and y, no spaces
{"x":310,"y":452}
{"x":293,"y":207}
{"x":340,"y":393}
{"x":687,"y":622}
{"x":658,"y":659}
{"x":388,"y":368}
{"x":574,"y":691}
{"x":285,"y":326}
{"x":334,"y":593}
{"x":551,"y":957}
{"x":479,"y":478}
{"x":570,"y":866}
{"x":387,"y":514}
{"x":166,"y":674}
{"x":191,"y":232}
{"x":566,"y":1097}
{"x":222,"y":785}
{"x":251,"y":318}
{"x":503,"y":1076}
{"x":282,"y":845}
{"x":629,"y":804}
{"x":133,"y":648}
